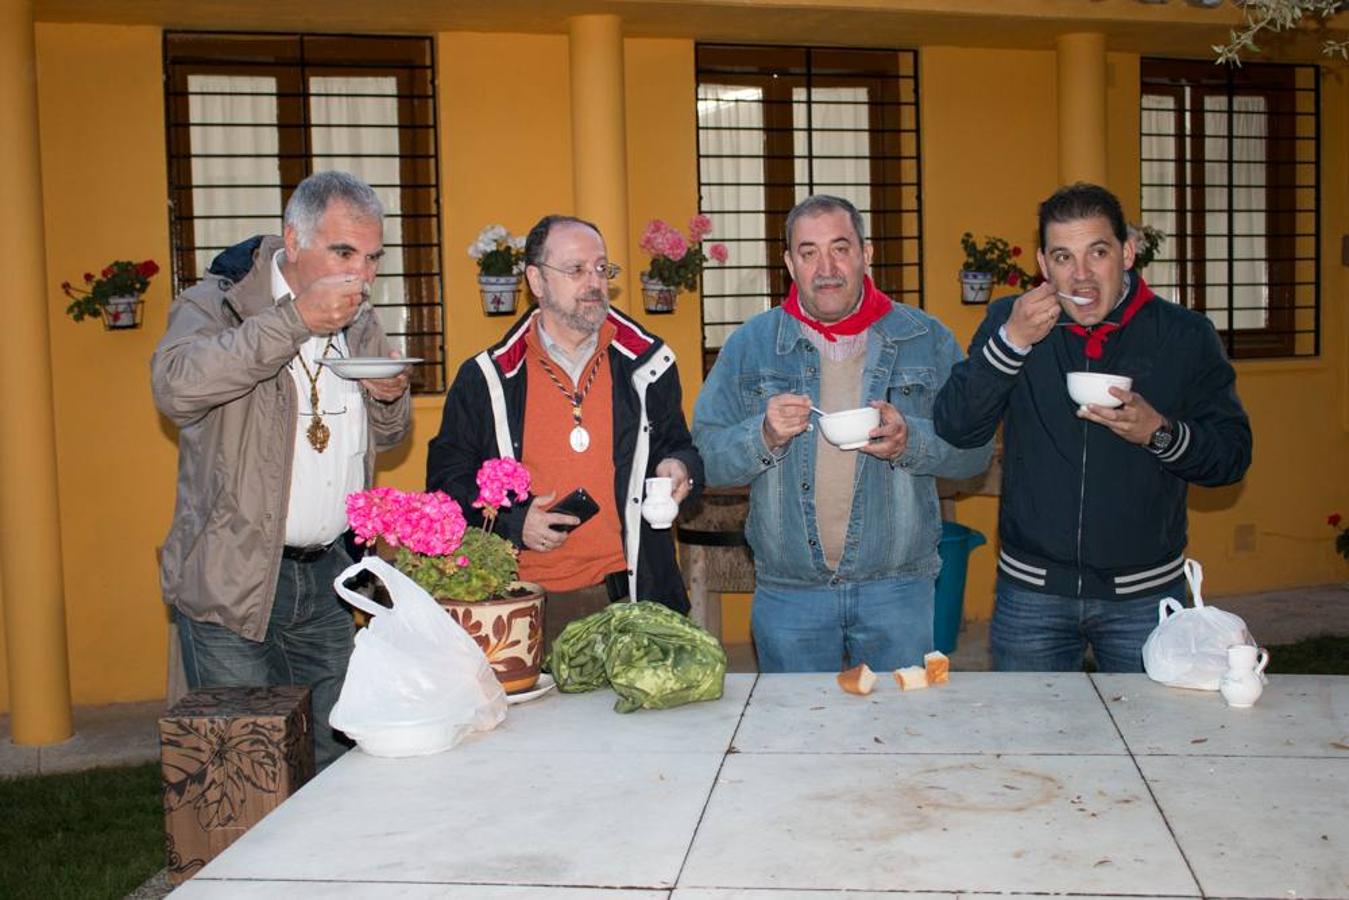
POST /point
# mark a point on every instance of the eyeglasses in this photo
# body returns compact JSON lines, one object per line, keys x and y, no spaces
{"x":578,"y":271}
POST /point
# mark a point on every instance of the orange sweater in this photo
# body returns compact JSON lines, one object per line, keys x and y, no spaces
{"x":595,"y":548}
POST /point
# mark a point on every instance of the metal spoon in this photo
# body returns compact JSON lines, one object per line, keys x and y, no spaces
{"x":1073,"y":298}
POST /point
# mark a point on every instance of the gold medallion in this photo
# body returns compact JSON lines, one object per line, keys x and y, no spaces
{"x":318,"y":434}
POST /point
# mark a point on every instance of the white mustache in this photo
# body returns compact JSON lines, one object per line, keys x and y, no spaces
{"x":827,"y":282}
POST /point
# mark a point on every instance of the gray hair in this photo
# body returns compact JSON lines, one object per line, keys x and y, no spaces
{"x":313,"y":196}
{"x":823,"y":203}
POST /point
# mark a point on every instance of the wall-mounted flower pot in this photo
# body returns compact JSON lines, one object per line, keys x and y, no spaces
{"x":500,"y":294}
{"x":975,"y":287}
{"x":122,"y":312}
{"x":658,"y":297}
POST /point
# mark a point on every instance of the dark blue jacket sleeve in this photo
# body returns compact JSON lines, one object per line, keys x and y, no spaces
{"x":1212,"y":445}
{"x":972,"y":402}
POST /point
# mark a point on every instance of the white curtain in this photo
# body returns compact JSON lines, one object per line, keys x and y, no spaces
{"x":236,"y":172}
{"x":232,"y":114}
{"x":1248,"y":271}
{"x":832,"y":155}
{"x":355,"y":129}
{"x":833,"y":144}
{"x":731,"y":142}
{"x":1234,"y":205}
{"x":1160,"y":177}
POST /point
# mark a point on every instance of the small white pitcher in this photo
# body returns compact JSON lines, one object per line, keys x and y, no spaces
{"x":659,"y":508}
{"x":1243,"y":682}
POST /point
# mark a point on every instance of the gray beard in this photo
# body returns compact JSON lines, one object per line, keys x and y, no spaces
{"x":576,"y":320}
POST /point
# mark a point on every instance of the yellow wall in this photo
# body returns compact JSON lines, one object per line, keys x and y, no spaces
{"x":505,"y":157}
{"x":100,"y":93}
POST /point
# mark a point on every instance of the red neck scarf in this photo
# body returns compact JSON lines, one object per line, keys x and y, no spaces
{"x":875,"y":304}
{"x":1097,"y":334}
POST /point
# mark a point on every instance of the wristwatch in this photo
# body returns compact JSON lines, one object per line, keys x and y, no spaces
{"x":1161,"y":439}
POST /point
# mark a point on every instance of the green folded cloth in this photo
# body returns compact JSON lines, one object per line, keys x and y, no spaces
{"x":651,"y":656}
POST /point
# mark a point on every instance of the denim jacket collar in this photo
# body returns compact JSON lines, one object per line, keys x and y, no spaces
{"x":899,"y":325}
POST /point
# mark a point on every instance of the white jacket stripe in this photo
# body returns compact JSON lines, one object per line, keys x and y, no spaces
{"x":642,"y":378}
{"x":1023,"y":567}
{"x":1173,"y":568}
{"x":999,"y":360}
{"x":498,"y":398}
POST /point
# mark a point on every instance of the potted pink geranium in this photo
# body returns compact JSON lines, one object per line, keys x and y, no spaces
{"x":471,"y":572}
{"x":676,"y":262}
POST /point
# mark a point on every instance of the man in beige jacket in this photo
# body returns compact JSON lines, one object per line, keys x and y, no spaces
{"x":270,"y":443}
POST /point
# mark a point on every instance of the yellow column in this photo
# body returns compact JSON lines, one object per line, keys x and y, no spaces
{"x":599,"y":131}
{"x":30,"y":535}
{"x":1082,"y":108}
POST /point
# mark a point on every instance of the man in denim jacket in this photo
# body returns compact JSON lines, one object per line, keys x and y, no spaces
{"x":845,"y":542}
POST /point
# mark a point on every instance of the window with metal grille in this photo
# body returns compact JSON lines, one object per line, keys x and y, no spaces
{"x":1231,"y":173}
{"x":777,"y":124}
{"x":251,"y":115}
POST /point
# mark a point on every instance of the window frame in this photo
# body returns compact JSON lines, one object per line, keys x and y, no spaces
{"x":187,"y":53}
{"x":893,"y":114}
{"x":1189,"y":84}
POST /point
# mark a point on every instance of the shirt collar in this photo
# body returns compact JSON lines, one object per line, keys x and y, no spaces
{"x":583,"y":351}
{"x":280,"y":288}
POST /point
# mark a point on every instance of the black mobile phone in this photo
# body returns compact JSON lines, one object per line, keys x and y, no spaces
{"x":578,"y":503}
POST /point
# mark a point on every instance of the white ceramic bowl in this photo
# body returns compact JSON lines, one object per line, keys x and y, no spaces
{"x":848,"y":429}
{"x":1094,"y":388}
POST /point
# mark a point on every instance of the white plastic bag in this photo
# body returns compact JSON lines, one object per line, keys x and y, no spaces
{"x":1188,"y":648}
{"x":417,"y":683}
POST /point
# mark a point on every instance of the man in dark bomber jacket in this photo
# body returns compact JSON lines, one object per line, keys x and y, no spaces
{"x":1093,"y":513}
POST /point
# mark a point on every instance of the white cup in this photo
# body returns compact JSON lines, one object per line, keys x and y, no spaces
{"x":659,"y":508}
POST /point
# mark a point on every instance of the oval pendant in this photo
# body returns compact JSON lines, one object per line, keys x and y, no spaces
{"x":579,"y":439}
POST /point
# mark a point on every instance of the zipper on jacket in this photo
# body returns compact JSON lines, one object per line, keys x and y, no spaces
{"x":1082,"y":492}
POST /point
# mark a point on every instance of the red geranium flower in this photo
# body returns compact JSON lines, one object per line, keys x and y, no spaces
{"x":1333,"y":520}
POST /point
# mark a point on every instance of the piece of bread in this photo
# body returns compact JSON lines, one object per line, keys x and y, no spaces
{"x":857,"y":680}
{"x":938,"y":667}
{"x":911,"y":678}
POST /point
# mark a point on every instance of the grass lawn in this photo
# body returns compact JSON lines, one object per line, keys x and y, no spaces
{"x":94,"y":834}
{"x":1327,"y":654}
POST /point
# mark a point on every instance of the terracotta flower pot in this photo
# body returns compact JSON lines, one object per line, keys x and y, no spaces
{"x":509,"y":630}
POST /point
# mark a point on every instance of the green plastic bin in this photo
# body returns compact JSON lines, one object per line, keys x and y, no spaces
{"x":956,"y":543}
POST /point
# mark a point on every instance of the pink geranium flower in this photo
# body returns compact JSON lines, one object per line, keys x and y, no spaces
{"x":677,"y":261}
{"x":498,"y":479}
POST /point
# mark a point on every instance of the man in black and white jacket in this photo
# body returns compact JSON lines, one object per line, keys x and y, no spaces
{"x":1093,"y":514}
{"x":583,"y":397}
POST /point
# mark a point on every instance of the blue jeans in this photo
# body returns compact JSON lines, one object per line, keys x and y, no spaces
{"x":1034,"y":632}
{"x":886,"y":623}
{"x":309,"y":639}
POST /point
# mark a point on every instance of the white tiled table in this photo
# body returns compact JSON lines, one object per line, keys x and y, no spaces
{"x":789,"y":789}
